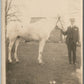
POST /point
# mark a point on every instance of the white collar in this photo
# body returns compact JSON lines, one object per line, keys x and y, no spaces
{"x":72,"y":26}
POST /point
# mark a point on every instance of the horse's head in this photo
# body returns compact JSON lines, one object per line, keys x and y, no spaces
{"x":59,"y":22}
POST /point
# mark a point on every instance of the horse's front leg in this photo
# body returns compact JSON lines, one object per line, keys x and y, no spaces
{"x":41,"y":46}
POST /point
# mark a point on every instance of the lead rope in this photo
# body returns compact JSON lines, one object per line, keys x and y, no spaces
{"x":57,"y":21}
{"x":61,"y":24}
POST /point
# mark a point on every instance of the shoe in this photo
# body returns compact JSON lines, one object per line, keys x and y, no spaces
{"x":74,"y":63}
{"x":69,"y":62}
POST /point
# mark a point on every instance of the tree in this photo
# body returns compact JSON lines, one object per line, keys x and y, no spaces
{"x":10,"y":15}
{"x":10,"y":12}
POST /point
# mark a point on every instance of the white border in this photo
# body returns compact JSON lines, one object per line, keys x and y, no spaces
{"x":3,"y":58}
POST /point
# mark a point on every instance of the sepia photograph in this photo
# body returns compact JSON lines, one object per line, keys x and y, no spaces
{"x":42,"y":41}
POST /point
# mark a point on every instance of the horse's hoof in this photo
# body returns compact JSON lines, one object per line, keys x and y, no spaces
{"x":41,"y":62}
{"x":17,"y":61}
{"x":10,"y":61}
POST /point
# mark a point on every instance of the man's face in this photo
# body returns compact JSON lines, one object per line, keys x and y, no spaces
{"x":72,"y":21}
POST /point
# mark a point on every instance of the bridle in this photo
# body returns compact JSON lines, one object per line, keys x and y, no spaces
{"x":59,"y":20}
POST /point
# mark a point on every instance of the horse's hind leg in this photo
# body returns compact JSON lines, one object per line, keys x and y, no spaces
{"x":16,"y":47}
{"x":41,"y":46}
{"x":11,"y":42}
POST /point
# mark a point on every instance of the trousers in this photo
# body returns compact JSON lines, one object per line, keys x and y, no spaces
{"x":72,"y":51}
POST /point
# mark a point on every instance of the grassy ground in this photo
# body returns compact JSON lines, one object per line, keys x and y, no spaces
{"x":56,"y":66}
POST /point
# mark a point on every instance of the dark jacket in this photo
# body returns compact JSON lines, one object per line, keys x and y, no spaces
{"x":72,"y":34}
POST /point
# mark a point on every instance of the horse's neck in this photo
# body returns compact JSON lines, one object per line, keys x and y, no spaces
{"x":52,"y":22}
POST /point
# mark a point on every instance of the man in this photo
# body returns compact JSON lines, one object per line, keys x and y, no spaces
{"x":72,"y":39}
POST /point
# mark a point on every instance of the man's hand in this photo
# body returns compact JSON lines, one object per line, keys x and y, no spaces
{"x":62,"y":30}
{"x":77,"y":42}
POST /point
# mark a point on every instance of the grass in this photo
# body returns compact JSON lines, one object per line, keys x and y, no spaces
{"x":56,"y":66}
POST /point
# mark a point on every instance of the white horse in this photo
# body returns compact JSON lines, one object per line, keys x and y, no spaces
{"x":34,"y":31}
